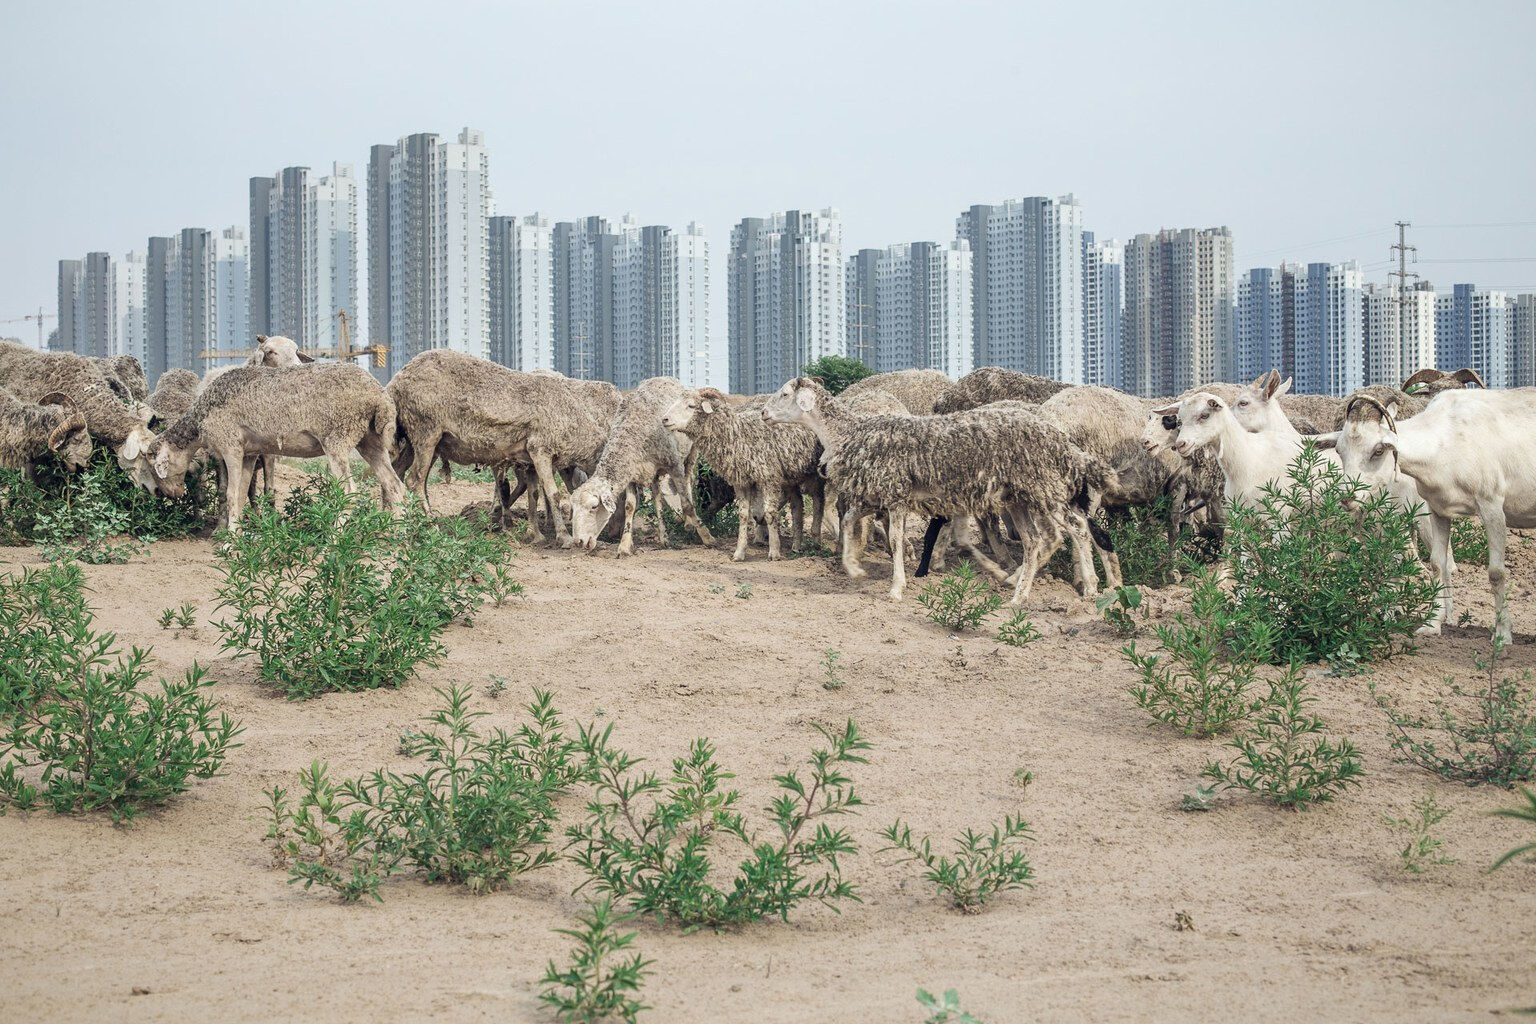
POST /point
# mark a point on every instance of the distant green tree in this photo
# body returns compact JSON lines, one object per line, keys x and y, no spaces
{"x":836,"y":372}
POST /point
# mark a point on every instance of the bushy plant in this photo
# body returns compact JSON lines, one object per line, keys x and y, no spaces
{"x":1200,"y":686}
{"x":478,"y":813}
{"x":661,"y":857}
{"x":1488,"y":730}
{"x":1018,"y":631}
{"x":945,"y":1009}
{"x":597,"y":985}
{"x":1326,"y":565}
{"x":832,"y":669}
{"x":82,"y":527}
{"x":68,"y":509}
{"x":330,"y":592}
{"x":983,"y":865}
{"x":960,"y":600}
{"x":71,"y":707}
{"x":1423,"y":849}
{"x":836,"y":373}
{"x":1522,"y":812}
{"x":1284,"y":756}
{"x":1469,"y":542}
{"x":1117,"y":607}
{"x":1140,"y":536}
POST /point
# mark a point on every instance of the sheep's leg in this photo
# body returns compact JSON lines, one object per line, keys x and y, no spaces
{"x":544,"y":467}
{"x":248,"y":467}
{"x":1498,"y":578}
{"x":848,"y":522}
{"x":771,"y":498}
{"x":796,"y":502}
{"x":1439,"y":557}
{"x":743,"y":522}
{"x":371,"y":447}
{"x":424,"y":451}
{"x":898,"y":535}
{"x":341,"y":469}
{"x":269,"y":474}
{"x":818,"y":507}
{"x":234,"y":488}
{"x":627,"y":537}
{"x":1029,"y":566}
{"x":1084,"y":579}
{"x":941,"y":546}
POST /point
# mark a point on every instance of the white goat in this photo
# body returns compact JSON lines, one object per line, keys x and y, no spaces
{"x":1248,"y":460}
{"x":1468,"y":453}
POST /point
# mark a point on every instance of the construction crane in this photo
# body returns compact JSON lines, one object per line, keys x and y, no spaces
{"x":39,"y":316}
{"x":344,"y":352}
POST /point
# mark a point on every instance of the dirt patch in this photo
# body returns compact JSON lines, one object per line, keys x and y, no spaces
{"x":1287,"y":916}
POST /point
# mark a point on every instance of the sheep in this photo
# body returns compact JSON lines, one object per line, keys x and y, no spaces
{"x":54,"y":424}
{"x":1468,"y":453}
{"x":31,"y":376}
{"x":302,"y":411}
{"x":125,"y":375}
{"x":917,"y":390}
{"x":995,"y":384}
{"x":756,"y":459}
{"x":174,"y":394}
{"x":993,"y":461}
{"x":639,"y":450}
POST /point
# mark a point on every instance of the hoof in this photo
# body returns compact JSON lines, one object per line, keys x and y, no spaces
{"x":738,"y":556}
{"x":856,"y":573}
{"x":894,"y":595}
{"x":1428,"y":629}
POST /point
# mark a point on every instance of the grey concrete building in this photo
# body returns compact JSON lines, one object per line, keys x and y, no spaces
{"x":787,"y":296}
{"x":583,"y":289}
{"x":863,"y":310}
{"x":379,"y":158}
{"x":159,"y":263}
{"x":1178,"y":321}
{"x":261,"y":255}
{"x":69,"y":282}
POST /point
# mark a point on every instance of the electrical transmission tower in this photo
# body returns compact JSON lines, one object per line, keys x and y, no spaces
{"x":1400,"y":250}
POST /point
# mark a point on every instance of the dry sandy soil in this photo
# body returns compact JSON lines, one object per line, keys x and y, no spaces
{"x":1296,"y":916}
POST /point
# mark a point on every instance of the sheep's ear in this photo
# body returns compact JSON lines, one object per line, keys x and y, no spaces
{"x":304,"y":358}
{"x":261,"y":339}
{"x":163,"y":461}
{"x":130,"y":449}
{"x":1330,"y":440}
{"x":608,"y":502}
{"x":706,"y":406}
{"x":1213,"y":403}
{"x":1167,"y":410}
{"x":805,"y":400}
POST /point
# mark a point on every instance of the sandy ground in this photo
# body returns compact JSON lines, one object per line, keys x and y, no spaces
{"x":1297,"y":916}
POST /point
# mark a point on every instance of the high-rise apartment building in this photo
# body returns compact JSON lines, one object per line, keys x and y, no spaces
{"x":379,"y":158}
{"x":686,"y":348}
{"x":1103,"y":307}
{"x":128,"y":297}
{"x":919,"y":309}
{"x":1399,"y":332}
{"x":303,"y":254}
{"x":1027,"y":265}
{"x":159,"y":265}
{"x":1177,"y":325}
{"x":787,"y":296}
{"x":1474,"y":327}
{"x":63,"y":338}
{"x":95,"y":312}
{"x":206,"y":303}
{"x":102,"y":306}
{"x":437,"y":283}
{"x":1264,"y":325}
{"x":522,"y":292}
{"x":1523,"y":340}
{"x":1330,"y":330}
{"x":583,"y":293}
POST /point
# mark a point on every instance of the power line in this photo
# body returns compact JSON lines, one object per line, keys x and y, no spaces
{"x":1321,"y":241}
{"x":1485,"y":259}
{"x":1493,"y":224}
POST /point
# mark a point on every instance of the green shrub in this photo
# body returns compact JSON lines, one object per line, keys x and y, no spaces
{"x":597,"y":986}
{"x":982,"y":866}
{"x":331,"y":592}
{"x":1423,"y":849}
{"x":1284,"y":756}
{"x":1140,"y":536}
{"x":69,"y":510}
{"x":71,"y":706}
{"x":832,"y":669}
{"x":1117,"y":605}
{"x":1469,"y":542}
{"x":1201,"y":686}
{"x":1525,"y":813}
{"x":661,"y":858}
{"x":960,"y":600}
{"x":1018,"y":631}
{"x":946,"y":1009}
{"x":1489,"y":731}
{"x":477,"y":814}
{"x":836,"y":372}
{"x":1327,"y":567}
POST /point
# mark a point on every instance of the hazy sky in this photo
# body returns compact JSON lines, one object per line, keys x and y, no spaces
{"x":1305,"y":127}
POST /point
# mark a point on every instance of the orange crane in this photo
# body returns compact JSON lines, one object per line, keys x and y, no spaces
{"x":39,"y":316}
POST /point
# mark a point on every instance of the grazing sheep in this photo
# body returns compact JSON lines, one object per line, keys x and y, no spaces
{"x":301,"y":411}
{"x":31,"y":376}
{"x":1468,"y":453}
{"x":174,"y":394}
{"x":995,"y":384}
{"x":127,"y":372}
{"x":917,"y":390}
{"x":1002,"y":460}
{"x":639,"y":450}
{"x":759,"y":461}
{"x":55,"y":424}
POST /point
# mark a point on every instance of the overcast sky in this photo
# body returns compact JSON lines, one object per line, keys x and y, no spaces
{"x":1305,"y":127}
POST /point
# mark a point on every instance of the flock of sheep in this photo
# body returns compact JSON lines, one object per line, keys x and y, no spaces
{"x":1005,"y":466}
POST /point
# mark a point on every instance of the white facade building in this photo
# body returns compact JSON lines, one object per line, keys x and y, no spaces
{"x":1475,"y":327}
{"x":1177,"y":326}
{"x":1027,"y":263}
{"x":330,"y":258}
{"x":1330,"y":331}
{"x":787,"y":296}
{"x":688,"y":352}
{"x":1103,"y":305}
{"x":229,"y":302}
{"x":129,"y":300}
{"x":1399,"y":333}
{"x":522,"y":293}
{"x":921,"y":313}
{"x":1523,"y":339}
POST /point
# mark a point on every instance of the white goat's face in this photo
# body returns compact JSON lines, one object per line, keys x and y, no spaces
{"x":1201,"y":417}
{"x":1257,"y":406}
{"x":1367,"y":450}
{"x":591,"y":506}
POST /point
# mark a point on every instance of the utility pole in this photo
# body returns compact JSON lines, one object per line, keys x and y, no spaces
{"x":1401,"y":250}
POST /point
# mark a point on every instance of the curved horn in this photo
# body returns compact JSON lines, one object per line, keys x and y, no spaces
{"x":73,"y":419}
{"x":1386,"y":416}
{"x":1428,"y":375}
{"x":1467,"y":375}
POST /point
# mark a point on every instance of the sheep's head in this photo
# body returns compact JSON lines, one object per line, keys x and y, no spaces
{"x":133,"y":457}
{"x":1200,"y":419}
{"x":1257,"y":406}
{"x":1160,"y":430}
{"x":796,"y":401}
{"x":694,"y":406}
{"x":278,"y":351}
{"x":592,"y":504}
{"x":1367,"y":444}
{"x":169,"y":466}
{"x":69,"y":439}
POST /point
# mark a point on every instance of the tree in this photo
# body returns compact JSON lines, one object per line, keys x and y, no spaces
{"x":836,"y":372}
